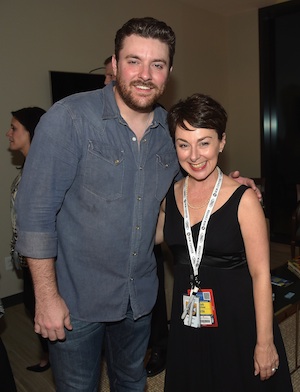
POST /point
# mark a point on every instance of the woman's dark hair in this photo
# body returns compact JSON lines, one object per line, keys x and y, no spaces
{"x":147,"y":28}
{"x":29,"y":118}
{"x":200,"y":111}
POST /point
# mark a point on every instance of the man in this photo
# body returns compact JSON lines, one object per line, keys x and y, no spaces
{"x":98,"y":168}
{"x":159,"y":322}
{"x":109,"y":73}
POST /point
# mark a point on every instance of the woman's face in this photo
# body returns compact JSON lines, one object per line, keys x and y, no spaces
{"x":19,"y":137}
{"x":198,"y":150}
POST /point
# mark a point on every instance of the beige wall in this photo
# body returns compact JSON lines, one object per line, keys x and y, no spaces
{"x":214,"y":55}
{"x":243,"y":133}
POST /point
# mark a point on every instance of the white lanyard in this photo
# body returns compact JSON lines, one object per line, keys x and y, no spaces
{"x":196,"y":256}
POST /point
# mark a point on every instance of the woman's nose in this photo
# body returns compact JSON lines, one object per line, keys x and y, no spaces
{"x":194,"y":154}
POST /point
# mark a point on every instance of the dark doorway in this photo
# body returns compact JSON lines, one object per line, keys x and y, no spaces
{"x":279,"y":33}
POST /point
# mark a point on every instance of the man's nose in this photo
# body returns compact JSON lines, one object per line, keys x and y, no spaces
{"x":145,"y":72}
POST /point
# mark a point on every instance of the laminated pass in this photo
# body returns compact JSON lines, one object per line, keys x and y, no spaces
{"x":199,"y":309}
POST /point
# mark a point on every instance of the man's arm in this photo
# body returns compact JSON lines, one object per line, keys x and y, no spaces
{"x":246,"y":181}
{"x":51,"y":312}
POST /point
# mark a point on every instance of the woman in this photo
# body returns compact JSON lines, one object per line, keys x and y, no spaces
{"x":20,"y":135}
{"x":222,"y":337}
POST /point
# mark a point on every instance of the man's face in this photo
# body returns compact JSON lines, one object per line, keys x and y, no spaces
{"x":109,"y":74}
{"x":141,"y":72}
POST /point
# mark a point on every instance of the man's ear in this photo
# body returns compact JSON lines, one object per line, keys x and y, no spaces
{"x":114,"y":64}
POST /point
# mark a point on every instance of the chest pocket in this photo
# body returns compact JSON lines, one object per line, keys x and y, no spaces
{"x":166,"y":169}
{"x":104,"y":171}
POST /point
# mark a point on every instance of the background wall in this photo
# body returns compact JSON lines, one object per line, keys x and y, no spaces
{"x":215,"y":54}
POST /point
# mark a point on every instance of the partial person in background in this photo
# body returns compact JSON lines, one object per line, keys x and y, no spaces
{"x":159,"y":324}
{"x":20,"y":135}
{"x":109,"y":72}
{"x":7,"y":382}
{"x":223,"y":334}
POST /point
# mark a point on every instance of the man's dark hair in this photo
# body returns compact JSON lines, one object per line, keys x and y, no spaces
{"x":147,"y":28}
{"x":200,"y":111}
{"x":108,"y":60}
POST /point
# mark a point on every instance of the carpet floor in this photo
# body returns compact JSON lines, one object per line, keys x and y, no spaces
{"x":23,"y":348}
{"x":288,"y":330}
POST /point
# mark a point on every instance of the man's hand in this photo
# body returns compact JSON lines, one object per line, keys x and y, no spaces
{"x":246,"y":181}
{"x":51,"y":312}
{"x":51,"y":317}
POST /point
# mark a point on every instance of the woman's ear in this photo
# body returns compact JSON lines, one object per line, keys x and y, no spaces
{"x":223,"y":142}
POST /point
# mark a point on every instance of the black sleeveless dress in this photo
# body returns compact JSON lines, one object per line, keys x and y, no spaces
{"x":217,"y":359}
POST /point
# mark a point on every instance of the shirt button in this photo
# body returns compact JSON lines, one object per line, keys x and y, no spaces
{"x":117,"y":161}
{"x":137,"y":227}
{"x":134,"y":139}
{"x":131,"y":279}
{"x":139,"y":198}
{"x":134,"y":254}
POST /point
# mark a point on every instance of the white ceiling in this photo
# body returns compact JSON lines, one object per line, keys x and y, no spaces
{"x":228,"y":7}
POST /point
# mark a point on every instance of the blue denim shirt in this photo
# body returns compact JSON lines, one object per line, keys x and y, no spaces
{"x":89,"y":197}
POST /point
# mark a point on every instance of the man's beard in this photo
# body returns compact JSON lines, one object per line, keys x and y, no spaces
{"x":141,"y":105}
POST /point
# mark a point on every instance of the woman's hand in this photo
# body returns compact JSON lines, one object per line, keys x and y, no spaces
{"x":266,"y":361}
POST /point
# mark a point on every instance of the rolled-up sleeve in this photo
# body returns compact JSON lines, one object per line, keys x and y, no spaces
{"x":48,"y":173}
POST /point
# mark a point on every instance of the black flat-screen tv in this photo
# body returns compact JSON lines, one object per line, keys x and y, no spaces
{"x":67,"y":83}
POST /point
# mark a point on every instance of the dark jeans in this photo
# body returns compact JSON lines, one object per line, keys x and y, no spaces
{"x":76,"y":361}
